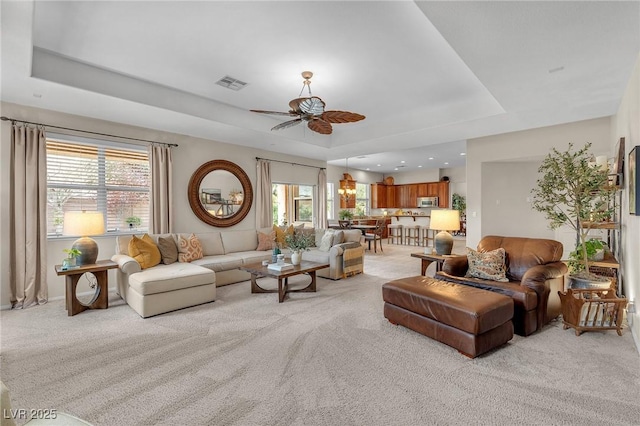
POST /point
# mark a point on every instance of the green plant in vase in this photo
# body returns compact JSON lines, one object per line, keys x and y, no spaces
{"x":297,"y":243}
{"x":70,"y":260}
{"x":345,"y":214}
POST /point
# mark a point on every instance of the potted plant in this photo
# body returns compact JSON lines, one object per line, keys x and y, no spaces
{"x":572,"y":191}
{"x":459,"y":202}
{"x":298,"y":242}
{"x":70,"y":260}
{"x":345,"y":214}
{"x":133,"y":221}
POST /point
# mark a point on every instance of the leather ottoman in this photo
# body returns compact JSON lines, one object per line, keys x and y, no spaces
{"x":469,"y":319}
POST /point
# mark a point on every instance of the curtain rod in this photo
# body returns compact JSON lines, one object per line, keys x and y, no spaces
{"x":14,"y":120}
{"x":292,"y":163}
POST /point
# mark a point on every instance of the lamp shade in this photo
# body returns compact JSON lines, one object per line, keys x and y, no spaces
{"x":83,"y":223}
{"x":445,"y":220}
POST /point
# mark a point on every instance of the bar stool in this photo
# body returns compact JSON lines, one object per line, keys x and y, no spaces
{"x":426,"y":235}
{"x":394,"y":234}
{"x":412,"y":235}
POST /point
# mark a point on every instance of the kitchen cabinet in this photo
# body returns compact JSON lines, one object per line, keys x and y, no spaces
{"x":391,"y":197}
{"x":379,"y":196}
{"x":443,"y":194}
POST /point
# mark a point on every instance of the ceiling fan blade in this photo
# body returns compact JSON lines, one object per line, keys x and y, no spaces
{"x":287,"y":124}
{"x":320,"y":126}
{"x":289,"y":114}
{"x":342,"y":116}
{"x":313,"y":105}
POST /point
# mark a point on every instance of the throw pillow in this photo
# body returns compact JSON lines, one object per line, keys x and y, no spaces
{"x":488,"y":265}
{"x":280,"y":234}
{"x":327,"y":240}
{"x":338,"y":237}
{"x":168,"y":250}
{"x":189,"y":249}
{"x":266,"y":241}
{"x":144,"y":251}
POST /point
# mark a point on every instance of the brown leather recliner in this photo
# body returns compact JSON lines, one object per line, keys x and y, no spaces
{"x":535,"y":276}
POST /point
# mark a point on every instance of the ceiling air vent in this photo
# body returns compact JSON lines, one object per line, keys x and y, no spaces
{"x":231,"y":83}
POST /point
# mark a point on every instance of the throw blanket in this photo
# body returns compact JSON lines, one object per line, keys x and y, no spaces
{"x":352,"y":258}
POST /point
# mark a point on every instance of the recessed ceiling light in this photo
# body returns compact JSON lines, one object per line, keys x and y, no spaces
{"x":379,"y":165}
{"x":419,"y":166}
{"x":463,"y":153}
{"x":368,"y":168}
{"x":402,"y":162}
{"x":430,"y":158}
{"x":395,"y":168}
{"x":446,"y":162}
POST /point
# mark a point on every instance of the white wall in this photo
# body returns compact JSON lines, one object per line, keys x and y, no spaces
{"x":626,"y":123}
{"x":506,"y":188}
{"x":528,"y":146}
{"x":191,"y":153}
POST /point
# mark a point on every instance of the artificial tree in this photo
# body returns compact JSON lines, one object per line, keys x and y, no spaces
{"x":573,"y":191}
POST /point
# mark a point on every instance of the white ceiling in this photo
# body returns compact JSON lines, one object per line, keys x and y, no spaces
{"x":427,"y":75}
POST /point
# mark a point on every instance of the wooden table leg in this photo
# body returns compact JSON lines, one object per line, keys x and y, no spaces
{"x":425,"y":265}
{"x":255,"y":288}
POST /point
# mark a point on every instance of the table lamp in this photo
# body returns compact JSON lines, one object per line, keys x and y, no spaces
{"x":84,"y":223}
{"x":443,"y":221}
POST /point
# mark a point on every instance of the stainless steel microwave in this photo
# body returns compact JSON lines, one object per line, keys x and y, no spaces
{"x":428,"y":202}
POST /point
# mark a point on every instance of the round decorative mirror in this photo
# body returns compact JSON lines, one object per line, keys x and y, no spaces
{"x":220,"y":193}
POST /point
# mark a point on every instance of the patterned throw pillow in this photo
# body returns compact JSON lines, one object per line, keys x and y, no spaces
{"x":189,"y":249}
{"x":144,"y":251}
{"x":280,"y":234}
{"x":168,"y":250}
{"x":488,"y":265}
{"x":266,"y":241}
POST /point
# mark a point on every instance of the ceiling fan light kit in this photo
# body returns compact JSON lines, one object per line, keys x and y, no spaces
{"x":311,"y":110}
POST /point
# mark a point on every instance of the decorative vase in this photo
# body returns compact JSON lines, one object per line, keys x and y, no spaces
{"x":296,"y":257}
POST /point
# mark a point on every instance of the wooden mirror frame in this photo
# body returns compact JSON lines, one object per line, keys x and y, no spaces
{"x":194,"y":193}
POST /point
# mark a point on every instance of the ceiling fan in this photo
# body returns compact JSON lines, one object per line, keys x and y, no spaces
{"x":311,"y":110}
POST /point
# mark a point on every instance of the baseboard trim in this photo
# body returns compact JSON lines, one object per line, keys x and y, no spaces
{"x":53,"y":299}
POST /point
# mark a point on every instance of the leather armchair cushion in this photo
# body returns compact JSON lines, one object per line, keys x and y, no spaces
{"x":523,"y":253}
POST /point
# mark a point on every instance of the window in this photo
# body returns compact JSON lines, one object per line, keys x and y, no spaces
{"x":292,"y":203}
{"x":362,"y":199}
{"x":88,"y":174}
{"x":330,"y":201}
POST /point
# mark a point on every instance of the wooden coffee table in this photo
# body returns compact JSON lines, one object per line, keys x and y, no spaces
{"x":305,"y":267}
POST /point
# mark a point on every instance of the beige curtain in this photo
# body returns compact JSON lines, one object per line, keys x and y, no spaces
{"x":321,"y":214}
{"x":160,"y":214}
{"x":28,"y":217}
{"x":264,"y":201}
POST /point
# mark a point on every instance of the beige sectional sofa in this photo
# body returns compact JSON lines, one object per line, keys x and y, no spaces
{"x":163,"y":288}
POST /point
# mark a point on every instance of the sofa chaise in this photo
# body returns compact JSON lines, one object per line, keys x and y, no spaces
{"x":167,"y":287}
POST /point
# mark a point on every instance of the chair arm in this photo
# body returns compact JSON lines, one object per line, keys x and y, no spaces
{"x":127,"y":264}
{"x":456,"y":266}
{"x":537,"y":279}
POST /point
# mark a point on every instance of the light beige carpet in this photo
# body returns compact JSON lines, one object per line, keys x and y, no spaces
{"x":325,"y":358}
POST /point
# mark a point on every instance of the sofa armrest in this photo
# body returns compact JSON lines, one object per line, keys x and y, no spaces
{"x":127,"y":264}
{"x":456,"y":266}
{"x":537,"y":279}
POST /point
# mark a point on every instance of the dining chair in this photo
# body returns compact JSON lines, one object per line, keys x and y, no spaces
{"x":376,"y":235}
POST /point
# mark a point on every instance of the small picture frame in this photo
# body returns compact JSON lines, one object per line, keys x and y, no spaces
{"x":634,"y":182}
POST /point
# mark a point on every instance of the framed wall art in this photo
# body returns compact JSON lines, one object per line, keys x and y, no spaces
{"x":634,"y":182}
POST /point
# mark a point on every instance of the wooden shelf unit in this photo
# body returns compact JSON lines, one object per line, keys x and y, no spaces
{"x":592,"y":309}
